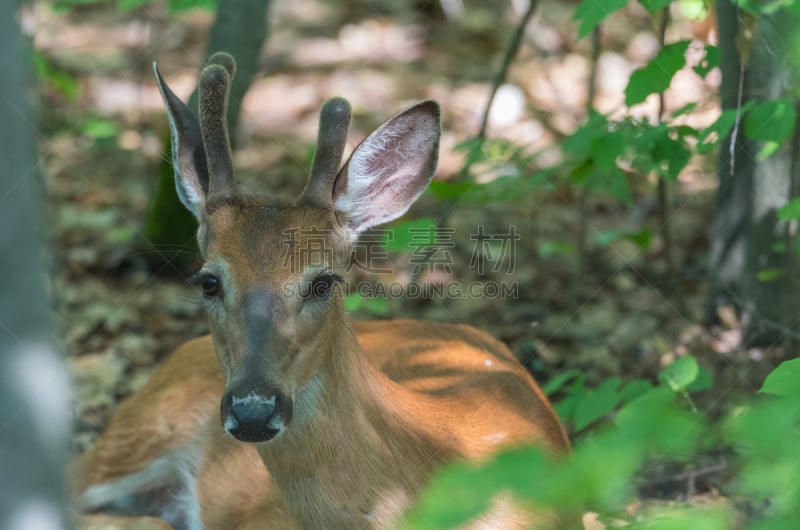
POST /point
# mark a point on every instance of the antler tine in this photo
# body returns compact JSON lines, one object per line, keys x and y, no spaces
{"x":214,"y":86}
{"x":334,"y":122}
{"x":225,"y":60}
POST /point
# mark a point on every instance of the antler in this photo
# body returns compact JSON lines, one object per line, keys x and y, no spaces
{"x":334,"y":122}
{"x":215,"y":82}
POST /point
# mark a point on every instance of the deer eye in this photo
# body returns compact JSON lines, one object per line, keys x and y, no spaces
{"x":208,"y":282}
{"x":322,"y":286}
{"x":210,"y":285}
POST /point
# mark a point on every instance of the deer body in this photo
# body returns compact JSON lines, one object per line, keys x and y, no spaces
{"x":398,"y":425}
{"x":349,"y":419}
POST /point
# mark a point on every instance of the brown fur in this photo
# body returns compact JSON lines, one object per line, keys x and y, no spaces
{"x":362,"y":413}
{"x":427,"y":357}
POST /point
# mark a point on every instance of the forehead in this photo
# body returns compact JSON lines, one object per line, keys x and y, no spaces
{"x":270,"y":234}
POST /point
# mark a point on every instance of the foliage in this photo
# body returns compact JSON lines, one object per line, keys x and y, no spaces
{"x":641,"y":421}
{"x":175,"y":6}
{"x":772,"y":122}
{"x":621,"y":426}
{"x":607,"y":155}
{"x":55,"y":79}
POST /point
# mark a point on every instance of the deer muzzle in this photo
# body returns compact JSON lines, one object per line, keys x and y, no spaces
{"x":252,"y":414}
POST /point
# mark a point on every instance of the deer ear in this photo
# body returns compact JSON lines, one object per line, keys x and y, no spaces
{"x":188,"y":153}
{"x":389,"y":169}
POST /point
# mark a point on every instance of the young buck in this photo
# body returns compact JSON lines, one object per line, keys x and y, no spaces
{"x":343,"y":422}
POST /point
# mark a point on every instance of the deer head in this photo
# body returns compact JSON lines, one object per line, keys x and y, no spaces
{"x":269,"y":276}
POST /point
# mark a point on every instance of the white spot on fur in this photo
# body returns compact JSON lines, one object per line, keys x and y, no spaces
{"x":487,"y":362}
{"x":38,"y":514}
{"x":389,"y":506}
{"x":494,"y":438}
{"x":230,"y":423}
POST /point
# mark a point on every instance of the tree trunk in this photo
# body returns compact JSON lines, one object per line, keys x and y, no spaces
{"x":169,"y":230}
{"x":747,"y":237}
{"x":35,"y":419}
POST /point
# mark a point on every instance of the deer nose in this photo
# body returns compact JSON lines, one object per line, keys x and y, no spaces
{"x":253,"y":418}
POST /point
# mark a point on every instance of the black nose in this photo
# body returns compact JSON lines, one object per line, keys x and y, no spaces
{"x":252,"y":418}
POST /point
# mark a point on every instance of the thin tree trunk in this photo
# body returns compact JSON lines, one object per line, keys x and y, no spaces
{"x":35,"y":419}
{"x":746,"y":235}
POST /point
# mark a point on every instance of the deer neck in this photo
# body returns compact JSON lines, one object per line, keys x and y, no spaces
{"x":362,"y":453}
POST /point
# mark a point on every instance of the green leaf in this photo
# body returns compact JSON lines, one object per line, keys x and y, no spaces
{"x":769,"y":275}
{"x":450,"y":190}
{"x":617,"y":185}
{"x":474,"y":150}
{"x":783,"y":380}
{"x":790,"y":210}
{"x":634,"y":389}
{"x":60,"y":81}
{"x":398,"y":237}
{"x":686,"y":109}
{"x":591,"y":13}
{"x":670,"y":156}
{"x":642,"y":238}
{"x":453,"y":496}
{"x":355,"y":301}
{"x":656,"y":75}
{"x":709,"y":62}
{"x":575,"y":390}
{"x":704,"y":381}
{"x":761,"y":7}
{"x":548,"y":249}
{"x":580,"y":142}
{"x":682,"y":518}
{"x":655,"y":421}
{"x":127,"y":5}
{"x":769,"y":149}
{"x":751,"y":6}
{"x":680,"y":374}
{"x":694,"y":9}
{"x":179,"y":6}
{"x":654,"y":6}
{"x":607,"y":149}
{"x":717,"y":131}
{"x":556,"y":383}
{"x":99,"y":129}
{"x":771,"y":121}
{"x":597,"y":403}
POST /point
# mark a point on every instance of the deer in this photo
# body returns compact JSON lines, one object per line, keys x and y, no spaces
{"x":290,"y":414}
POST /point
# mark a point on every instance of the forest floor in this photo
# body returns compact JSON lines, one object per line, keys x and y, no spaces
{"x":102,"y":131}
